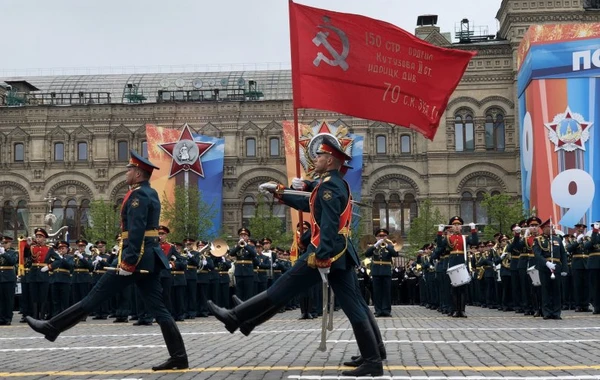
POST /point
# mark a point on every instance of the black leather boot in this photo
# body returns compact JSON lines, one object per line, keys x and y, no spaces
{"x":236,"y":300}
{"x":246,"y":311}
{"x":462,"y":300}
{"x":178,"y":357}
{"x":367,"y":344}
{"x":63,"y":321}
{"x":358,"y":360}
{"x":247,"y":327}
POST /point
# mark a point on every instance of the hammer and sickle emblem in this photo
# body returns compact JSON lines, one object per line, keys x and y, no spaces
{"x":338,"y":59}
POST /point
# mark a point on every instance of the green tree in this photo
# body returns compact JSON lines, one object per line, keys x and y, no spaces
{"x":265,"y":224}
{"x":104,"y":221}
{"x":188,"y":215}
{"x":423,"y":228}
{"x":502,"y":210}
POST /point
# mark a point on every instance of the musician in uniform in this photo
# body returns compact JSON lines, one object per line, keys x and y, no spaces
{"x":579,"y":259}
{"x":567,"y":281}
{"x":244,"y":266}
{"x":454,"y":244}
{"x":82,"y":276}
{"x":593,"y":247}
{"x":525,"y":245}
{"x":505,"y":274}
{"x":178,"y":266}
{"x":39,"y":283}
{"x":440,"y":256}
{"x":191,"y":277}
{"x":514,"y":250}
{"x":8,"y":279}
{"x":205,"y":268}
{"x":170,"y":252}
{"x":551,"y":259}
{"x":329,"y":258}
{"x":222,"y":265}
{"x":139,"y":261}
{"x":272,"y":255}
{"x":99,"y":264}
{"x":382,"y":253}
{"x":263,"y":268}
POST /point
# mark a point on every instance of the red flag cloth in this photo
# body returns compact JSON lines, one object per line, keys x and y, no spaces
{"x":370,"y":69}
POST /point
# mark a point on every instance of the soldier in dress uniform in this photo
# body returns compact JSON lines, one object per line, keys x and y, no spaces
{"x":567,"y":281}
{"x":514,"y":251}
{"x":455,"y":246}
{"x":593,"y":248}
{"x":244,"y":266}
{"x":579,"y":259}
{"x":487,"y":263}
{"x":170,"y":252}
{"x":179,"y":284}
{"x":551,"y":259}
{"x":61,"y":264}
{"x":263,"y":268}
{"x":222,"y":265}
{"x":8,"y":279}
{"x":505,"y":273}
{"x":205,"y":268}
{"x":82,"y":276}
{"x":139,"y":261}
{"x":39,"y":282}
{"x":329,"y":258}
{"x":99,"y":264}
{"x":191,"y":277}
{"x":272,"y":255}
{"x":443,"y":281}
{"x":526,"y":260}
{"x":429,"y":277}
{"x":382,"y":253}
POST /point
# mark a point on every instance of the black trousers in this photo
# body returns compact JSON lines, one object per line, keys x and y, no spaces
{"x":202,"y":300}
{"x":191,"y":306}
{"x":580,"y":288}
{"x":382,"y":294}
{"x":7,"y":301}
{"x":61,"y":294}
{"x":244,"y":287}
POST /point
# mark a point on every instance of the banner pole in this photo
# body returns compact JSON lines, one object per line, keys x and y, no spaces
{"x":297,"y":157}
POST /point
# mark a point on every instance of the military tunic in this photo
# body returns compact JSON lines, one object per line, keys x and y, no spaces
{"x":8,"y":280}
{"x":381,"y":272}
{"x":553,"y":251}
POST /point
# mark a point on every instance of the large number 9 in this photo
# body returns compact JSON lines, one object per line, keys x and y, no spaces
{"x":578,"y":201}
{"x":527,"y":156}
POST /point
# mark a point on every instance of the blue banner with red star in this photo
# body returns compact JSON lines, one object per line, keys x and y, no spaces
{"x":189,"y":159}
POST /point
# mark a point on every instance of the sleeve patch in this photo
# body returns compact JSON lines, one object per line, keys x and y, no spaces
{"x":135,"y":202}
{"x":327,"y":195}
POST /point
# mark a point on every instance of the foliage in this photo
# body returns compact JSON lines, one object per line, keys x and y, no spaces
{"x":424,"y":227}
{"x":265,"y":224}
{"x":188,"y":215}
{"x":104,"y":222}
{"x":502,"y":211}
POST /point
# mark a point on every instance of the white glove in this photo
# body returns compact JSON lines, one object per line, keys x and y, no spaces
{"x":97,"y":259}
{"x":472,"y":226}
{"x":362,"y":270}
{"x":190,"y":254}
{"x":79,"y":255}
{"x":298,"y":184}
{"x":564,"y":274}
{"x":596,"y":226}
{"x":123,"y":272}
{"x":273,"y":265}
{"x":173,"y":258}
{"x":223,"y":259}
{"x":59,"y":255}
{"x":45,"y":269}
{"x":267,"y":188}
{"x":379,"y":242}
{"x":580,"y":238}
{"x":1,"y":250}
{"x":517,"y":230}
{"x":441,"y":227}
{"x":324,"y":272}
{"x":29,"y":240}
{"x":204,"y":262}
{"x":550,"y":265}
{"x":503,"y":255}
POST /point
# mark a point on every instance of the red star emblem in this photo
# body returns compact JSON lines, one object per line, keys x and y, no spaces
{"x":186,"y":153}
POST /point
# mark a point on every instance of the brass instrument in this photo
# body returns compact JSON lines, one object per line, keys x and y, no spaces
{"x":506,"y":259}
{"x":219,"y":247}
{"x":242,"y":243}
{"x":480,"y":272}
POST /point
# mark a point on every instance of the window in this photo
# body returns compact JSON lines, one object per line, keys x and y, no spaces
{"x":471,"y":208}
{"x":19,"y":152}
{"x":76,"y":217}
{"x":145,"y":149}
{"x":274,"y":147}
{"x":59,"y":151}
{"x":248,"y":210}
{"x":122,"y":151}
{"x":8,"y":216}
{"x":395,"y":215}
{"x":84,"y":217}
{"x":405,"y":144}
{"x":250,"y":147}
{"x":464,"y":132}
{"x":58,"y":211}
{"x":494,"y":132}
{"x":82,"y":151}
{"x":380,"y":144}
{"x":14,"y":220}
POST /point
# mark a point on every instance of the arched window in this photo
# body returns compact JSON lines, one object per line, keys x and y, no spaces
{"x":84,"y":217}
{"x":405,"y":144}
{"x":409,"y":211}
{"x":71,"y":217}
{"x":19,"y":153}
{"x":380,"y":144}
{"x":59,"y":151}
{"x":145,"y":149}
{"x":58,"y":211}
{"x":480,"y":216}
{"x":14,"y":220}
{"x":494,"y":132}
{"x":22,"y":217}
{"x":467,"y":207}
{"x":251,"y":147}
{"x":122,"y":151}
{"x":82,"y":151}
{"x":379,"y":212}
{"x":395,"y":214}
{"x":274,"y":147}
{"x":464,"y":133}
{"x":394,"y":211}
{"x":8,"y":217}
{"x":248,"y":210}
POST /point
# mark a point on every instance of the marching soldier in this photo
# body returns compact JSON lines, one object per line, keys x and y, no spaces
{"x":455,"y":245}
{"x":382,"y":253}
{"x":579,"y":259}
{"x":61,"y":264}
{"x":552,"y":258}
{"x":8,"y":279}
{"x":39,"y":282}
{"x":244,"y":270}
{"x":82,"y":276}
{"x":191,"y":277}
{"x":593,"y":247}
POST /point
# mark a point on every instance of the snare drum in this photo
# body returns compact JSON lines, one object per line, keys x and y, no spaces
{"x":459,"y":275}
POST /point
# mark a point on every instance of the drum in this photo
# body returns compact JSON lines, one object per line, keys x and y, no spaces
{"x":459,"y":275}
{"x":534,"y":274}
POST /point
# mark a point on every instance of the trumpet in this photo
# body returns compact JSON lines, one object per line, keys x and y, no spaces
{"x":242,"y":243}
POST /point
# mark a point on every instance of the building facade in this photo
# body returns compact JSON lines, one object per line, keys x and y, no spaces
{"x":64,"y":140}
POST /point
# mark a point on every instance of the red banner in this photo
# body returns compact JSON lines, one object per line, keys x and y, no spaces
{"x":370,"y":69}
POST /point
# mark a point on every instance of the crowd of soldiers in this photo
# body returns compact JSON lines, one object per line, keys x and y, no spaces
{"x":57,"y":275}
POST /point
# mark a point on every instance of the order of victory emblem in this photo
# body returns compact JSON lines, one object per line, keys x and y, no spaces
{"x":337,"y":58}
{"x":568,"y":131}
